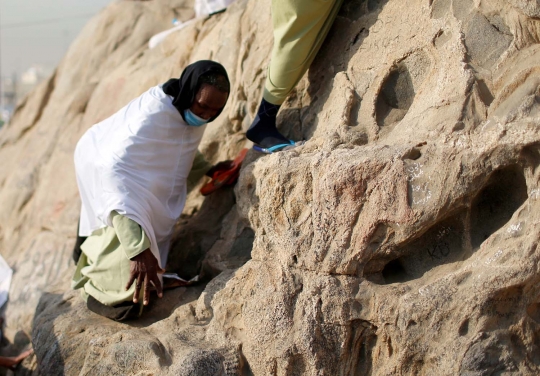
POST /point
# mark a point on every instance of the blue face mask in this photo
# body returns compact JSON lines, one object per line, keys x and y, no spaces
{"x":193,"y":119}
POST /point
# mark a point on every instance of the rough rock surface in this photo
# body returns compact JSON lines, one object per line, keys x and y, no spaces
{"x":402,"y":239}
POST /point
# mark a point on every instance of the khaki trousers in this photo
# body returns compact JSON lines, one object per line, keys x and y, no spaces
{"x":300,"y":27}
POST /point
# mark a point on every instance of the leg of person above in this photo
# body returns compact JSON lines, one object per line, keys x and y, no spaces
{"x":103,"y":269}
{"x":300,"y":27}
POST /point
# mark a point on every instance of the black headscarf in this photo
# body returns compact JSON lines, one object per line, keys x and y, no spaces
{"x":184,"y":89}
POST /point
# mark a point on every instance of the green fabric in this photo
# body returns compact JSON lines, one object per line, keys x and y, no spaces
{"x":300,"y":27}
{"x":103,"y":269}
{"x":132,"y":237}
{"x":198,"y":170}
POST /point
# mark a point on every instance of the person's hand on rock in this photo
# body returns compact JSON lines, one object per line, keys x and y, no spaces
{"x":12,"y":361}
{"x":144,"y":269}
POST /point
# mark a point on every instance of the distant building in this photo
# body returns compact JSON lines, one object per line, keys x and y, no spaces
{"x":14,"y":88}
{"x":31,"y":78}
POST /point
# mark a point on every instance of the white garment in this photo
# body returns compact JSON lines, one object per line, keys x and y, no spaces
{"x":136,"y":162}
{"x":5,"y":280}
{"x":160,"y":37}
{"x":203,"y":8}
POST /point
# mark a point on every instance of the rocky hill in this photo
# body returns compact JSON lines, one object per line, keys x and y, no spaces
{"x":401,"y":239}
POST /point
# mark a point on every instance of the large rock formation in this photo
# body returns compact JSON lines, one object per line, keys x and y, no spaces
{"x":402,"y":238}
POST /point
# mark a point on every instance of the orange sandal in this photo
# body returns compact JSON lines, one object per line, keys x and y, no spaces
{"x":225,"y":177}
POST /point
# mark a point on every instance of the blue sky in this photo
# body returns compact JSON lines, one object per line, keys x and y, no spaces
{"x":40,"y":31}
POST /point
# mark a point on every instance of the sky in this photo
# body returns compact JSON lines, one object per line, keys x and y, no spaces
{"x":40,"y":31}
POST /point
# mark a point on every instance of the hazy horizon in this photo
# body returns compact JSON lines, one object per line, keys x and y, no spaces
{"x":40,"y":31}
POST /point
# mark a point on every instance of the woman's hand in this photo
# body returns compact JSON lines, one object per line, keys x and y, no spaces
{"x":144,"y":268}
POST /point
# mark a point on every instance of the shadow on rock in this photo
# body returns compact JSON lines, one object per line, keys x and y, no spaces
{"x":195,"y":235}
{"x":44,"y":338}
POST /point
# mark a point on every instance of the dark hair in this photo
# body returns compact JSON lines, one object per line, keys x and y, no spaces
{"x":217,"y":80}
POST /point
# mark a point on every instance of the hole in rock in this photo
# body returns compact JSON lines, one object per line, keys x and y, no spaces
{"x":394,"y":272}
{"x":485,"y":94}
{"x":413,"y":154}
{"x":441,"y":244}
{"x":505,"y":192}
{"x":399,"y":88}
{"x":464,"y":328}
{"x":459,"y":126}
{"x":396,"y":97}
{"x":355,"y":110}
{"x":411,"y":323}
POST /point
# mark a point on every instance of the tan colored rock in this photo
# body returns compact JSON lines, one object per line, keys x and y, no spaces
{"x":401,"y":239}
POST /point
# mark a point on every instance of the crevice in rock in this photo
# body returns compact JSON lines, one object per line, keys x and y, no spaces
{"x":245,"y":369}
{"x":359,"y":347}
{"x":473,"y":112}
{"x":44,"y":102}
{"x":354,"y":109}
{"x":494,"y":205}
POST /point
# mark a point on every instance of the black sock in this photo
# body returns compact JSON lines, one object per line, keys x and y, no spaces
{"x":263,"y":130}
